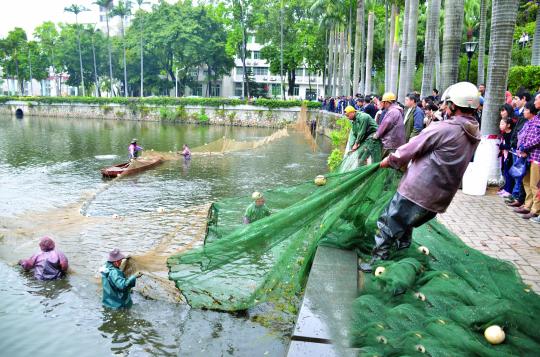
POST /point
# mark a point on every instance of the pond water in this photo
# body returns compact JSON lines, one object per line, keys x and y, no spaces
{"x":50,"y":185}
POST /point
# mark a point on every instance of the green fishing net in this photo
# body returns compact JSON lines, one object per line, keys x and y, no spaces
{"x":438,"y":304}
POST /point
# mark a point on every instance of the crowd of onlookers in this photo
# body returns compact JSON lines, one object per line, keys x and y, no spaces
{"x":519,"y":136}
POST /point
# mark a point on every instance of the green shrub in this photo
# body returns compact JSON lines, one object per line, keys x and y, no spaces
{"x":524,"y":76}
{"x":119,"y":114}
{"x":144,"y":110}
{"x":339,"y":138}
{"x":181,"y":113}
{"x":334,"y":159}
{"x":106,"y":109}
{"x":203,"y":118}
{"x":166,"y":114}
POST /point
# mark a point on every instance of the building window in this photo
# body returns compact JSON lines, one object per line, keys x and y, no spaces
{"x":260,"y":71}
{"x":239,"y":71}
{"x":238,"y":89}
{"x":311,"y":94}
{"x":256,"y":54}
{"x":299,"y":72}
{"x":296,"y":90}
{"x":196,"y":89}
{"x":276,"y":90}
{"x":215,"y":90}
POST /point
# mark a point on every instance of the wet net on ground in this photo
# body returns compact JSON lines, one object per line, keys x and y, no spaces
{"x":440,"y":303}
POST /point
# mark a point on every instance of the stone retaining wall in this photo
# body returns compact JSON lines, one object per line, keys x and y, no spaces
{"x":241,"y":115}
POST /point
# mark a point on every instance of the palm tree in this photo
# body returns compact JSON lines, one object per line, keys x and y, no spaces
{"x":122,"y":10}
{"x":482,"y":41}
{"x":453,"y":25}
{"x":369,"y":52}
{"x":107,"y":4}
{"x":359,"y":39}
{"x":140,"y":3}
{"x":411,"y":48}
{"x":432,"y":31}
{"x":77,"y":9}
{"x":402,"y":91}
{"x":503,"y":22}
{"x":394,"y":53}
{"x":92,"y":31}
{"x":535,"y":61}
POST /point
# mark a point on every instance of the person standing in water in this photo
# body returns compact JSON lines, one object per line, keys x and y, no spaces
{"x":186,"y":153}
{"x":257,"y":210}
{"x":49,"y":264}
{"x":134,"y":150}
{"x":116,"y":287}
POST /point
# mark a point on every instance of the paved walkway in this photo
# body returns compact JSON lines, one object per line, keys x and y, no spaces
{"x":488,"y":225}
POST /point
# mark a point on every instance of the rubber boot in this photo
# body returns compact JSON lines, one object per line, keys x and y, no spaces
{"x":380,"y":252}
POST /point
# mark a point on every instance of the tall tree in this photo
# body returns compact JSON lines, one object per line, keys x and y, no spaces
{"x":482,"y":41}
{"x":394,"y":68}
{"x":453,"y":25}
{"x":76,"y":10}
{"x":140,"y":3}
{"x":107,"y":5}
{"x":47,"y":36}
{"x":503,"y":22}
{"x":369,"y":52}
{"x":402,"y":90}
{"x":358,"y":42}
{"x":122,"y":10}
{"x":432,"y":32}
{"x":411,"y":48}
{"x":14,"y":48}
{"x":535,"y":60}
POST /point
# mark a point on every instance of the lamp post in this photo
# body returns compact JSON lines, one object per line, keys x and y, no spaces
{"x":470,"y":47}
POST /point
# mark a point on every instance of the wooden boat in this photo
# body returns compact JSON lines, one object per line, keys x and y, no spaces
{"x":133,"y":167}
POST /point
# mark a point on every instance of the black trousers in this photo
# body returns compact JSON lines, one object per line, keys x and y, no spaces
{"x":396,"y":223}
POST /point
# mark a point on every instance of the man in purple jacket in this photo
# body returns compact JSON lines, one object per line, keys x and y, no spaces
{"x":438,"y":157}
{"x":391,"y":131}
{"x":49,"y":264}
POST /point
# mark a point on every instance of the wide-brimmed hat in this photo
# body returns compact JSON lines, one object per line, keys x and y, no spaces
{"x":115,"y":255}
{"x":133,"y":141}
{"x":46,"y":244}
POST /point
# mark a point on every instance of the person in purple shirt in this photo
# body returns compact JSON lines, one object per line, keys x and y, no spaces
{"x":186,"y":153}
{"x":49,"y":264}
{"x":134,"y":150}
{"x":438,"y":157}
{"x":391,"y":131}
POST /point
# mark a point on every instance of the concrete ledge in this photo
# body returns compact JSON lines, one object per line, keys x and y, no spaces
{"x":323,"y":321}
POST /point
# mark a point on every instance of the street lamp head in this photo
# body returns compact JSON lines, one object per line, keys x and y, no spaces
{"x":470,"y":47}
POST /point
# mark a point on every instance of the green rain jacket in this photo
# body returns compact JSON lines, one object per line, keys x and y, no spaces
{"x":116,"y":288}
{"x":254,"y":212}
{"x":362,"y":127}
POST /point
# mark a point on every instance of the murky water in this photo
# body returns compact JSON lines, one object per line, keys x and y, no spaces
{"x":49,"y":170}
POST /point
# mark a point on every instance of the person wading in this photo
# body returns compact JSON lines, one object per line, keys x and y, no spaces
{"x":256,"y":210}
{"x":49,"y":264}
{"x":438,"y":157}
{"x":116,"y":287}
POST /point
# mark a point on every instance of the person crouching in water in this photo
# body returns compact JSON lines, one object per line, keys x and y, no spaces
{"x":134,"y":150}
{"x":257,"y":210}
{"x":438,"y":157}
{"x":116,"y":288}
{"x":49,"y":264}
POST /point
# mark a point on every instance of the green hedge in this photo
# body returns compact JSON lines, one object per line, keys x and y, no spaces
{"x":210,"y":102}
{"x":524,"y":76}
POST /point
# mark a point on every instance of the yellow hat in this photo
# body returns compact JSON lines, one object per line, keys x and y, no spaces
{"x":349,"y":109}
{"x":256,"y":195}
{"x":388,"y":97}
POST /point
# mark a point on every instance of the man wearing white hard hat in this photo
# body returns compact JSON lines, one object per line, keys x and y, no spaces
{"x":256,"y":210}
{"x":438,"y":157}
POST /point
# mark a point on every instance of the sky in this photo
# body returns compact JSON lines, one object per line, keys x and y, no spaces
{"x":29,"y":14}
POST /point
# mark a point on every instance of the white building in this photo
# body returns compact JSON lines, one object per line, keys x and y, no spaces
{"x":307,"y":86}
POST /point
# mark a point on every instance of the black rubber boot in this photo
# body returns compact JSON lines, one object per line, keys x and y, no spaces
{"x":367,"y":267}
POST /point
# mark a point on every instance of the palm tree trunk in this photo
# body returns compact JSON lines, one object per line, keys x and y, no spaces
{"x":336,"y":61}
{"x":347,"y":76}
{"x":437,"y":61}
{"x":394,"y":68}
{"x":325,"y":72}
{"x":124,"y":48}
{"x":503,"y":22}
{"x":535,"y":61}
{"x":95,"y":67}
{"x":358,"y":40}
{"x":142,"y":61}
{"x":402,"y":91}
{"x":482,"y":42}
{"x":110,"y":53}
{"x":369,"y":52}
{"x":80,"y":54}
{"x":31,"y":89}
{"x":432,"y":31}
{"x":341,"y":62}
{"x":387,"y":44}
{"x":453,"y":28}
{"x":411,"y":48}
{"x":391,"y":35}
{"x":330,"y":78}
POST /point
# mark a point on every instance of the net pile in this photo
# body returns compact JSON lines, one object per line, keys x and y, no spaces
{"x":437,"y":304}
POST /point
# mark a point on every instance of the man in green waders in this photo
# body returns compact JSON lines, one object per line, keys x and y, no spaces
{"x":257,"y":210}
{"x":116,"y":287}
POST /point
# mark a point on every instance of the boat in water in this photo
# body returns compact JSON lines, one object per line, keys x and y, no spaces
{"x":131,"y":167}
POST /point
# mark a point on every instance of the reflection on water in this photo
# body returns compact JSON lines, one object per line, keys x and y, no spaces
{"x":49,"y":170}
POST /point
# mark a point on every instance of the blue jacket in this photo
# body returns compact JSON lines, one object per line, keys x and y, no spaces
{"x":116,"y":288}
